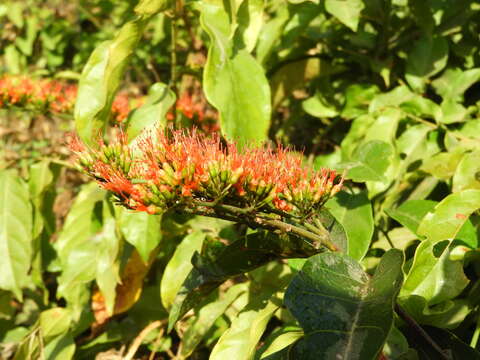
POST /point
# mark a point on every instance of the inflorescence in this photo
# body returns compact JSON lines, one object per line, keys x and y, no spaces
{"x":58,"y":97}
{"x":191,"y":172}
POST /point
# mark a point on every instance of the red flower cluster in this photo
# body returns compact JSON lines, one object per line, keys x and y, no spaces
{"x":49,"y":96}
{"x":196,"y":109}
{"x":188,"y":170}
{"x":56,"y":97}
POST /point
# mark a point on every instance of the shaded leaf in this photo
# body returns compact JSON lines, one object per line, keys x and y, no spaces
{"x":411,"y":213}
{"x":428,"y":57}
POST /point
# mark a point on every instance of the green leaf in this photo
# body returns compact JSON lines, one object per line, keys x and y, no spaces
{"x":179,"y":266}
{"x":234,"y":82}
{"x":61,"y":347}
{"x":428,"y":57}
{"x":444,"y":164}
{"x":454,"y":82}
{"x":107,"y":266}
{"x":206,"y":317}
{"x":152,"y":113}
{"x":433,"y":275}
{"x":42,"y":176}
{"x":279,"y":340}
{"x":241,"y":339}
{"x":343,"y":312}
{"x":467,"y":174}
{"x":453,"y":112}
{"x":77,"y":248}
{"x":348,"y":12}
{"x":221,"y":262}
{"x":357,"y":99}
{"x":446,"y":315}
{"x":101,"y":78}
{"x":319,"y":107}
{"x":395,"y":97}
{"x":54,"y":322}
{"x":15,"y":232}
{"x":370,"y":162}
{"x":151,"y":7}
{"x":450,"y":344}
{"x":250,"y":21}
{"x":449,"y":215}
{"x":354,"y":212}
{"x":411,"y":213}
{"x":142,"y":230}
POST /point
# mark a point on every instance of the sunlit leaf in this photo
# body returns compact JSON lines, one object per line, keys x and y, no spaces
{"x":15,"y":232}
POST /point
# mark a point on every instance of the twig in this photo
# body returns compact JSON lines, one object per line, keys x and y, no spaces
{"x":138,"y":340}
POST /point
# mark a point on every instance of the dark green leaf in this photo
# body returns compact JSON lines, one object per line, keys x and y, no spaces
{"x":428,"y":57}
{"x":343,"y":312}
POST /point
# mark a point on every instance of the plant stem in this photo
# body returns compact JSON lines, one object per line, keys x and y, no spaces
{"x":476,"y":334}
{"x":417,"y":328}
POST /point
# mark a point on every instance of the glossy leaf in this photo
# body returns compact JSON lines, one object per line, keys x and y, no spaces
{"x":449,"y":215}
{"x":141,"y":230}
{"x":354,"y":212}
{"x":15,"y":232}
{"x":234,"y":82}
{"x":343,"y":312}
{"x":428,"y":57}
{"x":179,"y":266}
{"x":152,"y":114}
{"x":101,"y":78}
{"x":348,"y":12}
{"x":433,"y":275}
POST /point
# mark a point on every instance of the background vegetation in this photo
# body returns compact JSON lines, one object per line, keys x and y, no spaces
{"x":387,"y":90}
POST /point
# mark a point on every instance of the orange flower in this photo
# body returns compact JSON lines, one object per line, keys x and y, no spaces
{"x":185,"y":168}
